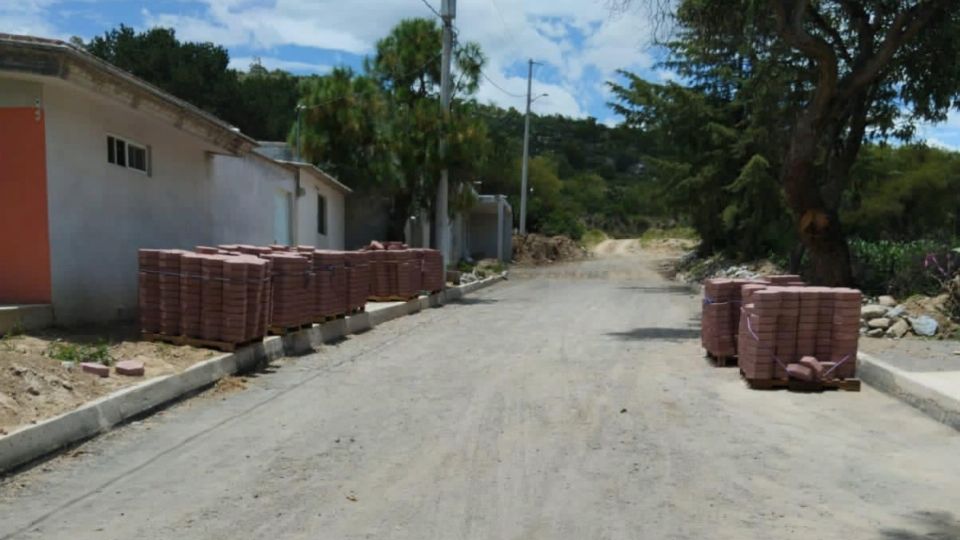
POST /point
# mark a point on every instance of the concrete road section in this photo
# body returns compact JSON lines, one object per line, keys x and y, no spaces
{"x":571,"y":402}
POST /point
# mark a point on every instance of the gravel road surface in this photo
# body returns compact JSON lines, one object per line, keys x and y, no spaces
{"x":569,"y":402}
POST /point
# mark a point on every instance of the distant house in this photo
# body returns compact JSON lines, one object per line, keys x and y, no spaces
{"x":95,"y":164}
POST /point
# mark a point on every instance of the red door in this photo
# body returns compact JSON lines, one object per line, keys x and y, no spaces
{"x":24,"y":235}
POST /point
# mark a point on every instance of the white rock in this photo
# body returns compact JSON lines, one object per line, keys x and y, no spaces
{"x":898,"y":329}
{"x":872,"y":311}
{"x":882,"y":323}
{"x":876,"y":332}
{"x":886,"y":300}
{"x":924,"y":325}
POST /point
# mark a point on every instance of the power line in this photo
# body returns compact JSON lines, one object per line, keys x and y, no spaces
{"x":431,"y":8}
{"x":497,"y":86}
{"x":502,"y":21}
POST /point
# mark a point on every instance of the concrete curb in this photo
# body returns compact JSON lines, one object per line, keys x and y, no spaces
{"x":33,"y":442}
{"x":909,"y":388}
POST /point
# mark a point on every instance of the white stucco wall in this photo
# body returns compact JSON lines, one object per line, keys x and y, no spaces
{"x":100,"y":213}
{"x":307,"y":213}
{"x":243,"y":197}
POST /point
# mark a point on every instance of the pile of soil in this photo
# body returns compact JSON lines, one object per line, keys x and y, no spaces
{"x":537,"y":249}
{"x":34,"y":387}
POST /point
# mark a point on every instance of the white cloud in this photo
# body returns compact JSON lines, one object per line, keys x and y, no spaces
{"x":944,"y":134}
{"x":578,"y":40}
{"x":243,"y":63}
{"x":28,"y":17}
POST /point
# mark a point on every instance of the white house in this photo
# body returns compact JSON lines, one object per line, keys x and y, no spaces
{"x":95,"y":164}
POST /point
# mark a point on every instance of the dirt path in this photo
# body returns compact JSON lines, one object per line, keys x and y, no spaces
{"x":570,"y":403}
{"x":613,"y":247}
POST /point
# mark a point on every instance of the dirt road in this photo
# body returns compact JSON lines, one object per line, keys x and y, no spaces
{"x":571,"y":402}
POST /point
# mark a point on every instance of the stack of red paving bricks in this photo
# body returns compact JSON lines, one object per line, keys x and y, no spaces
{"x":331,"y":275}
{"x":208,"y":296}
{"x":721,"y":315}
{"x":806,"y":333}
{"x":149,"y":290}
{"x":169,"y":265}
{"x":358,"y":273}
{"x":431,"y":269}
{"x":381,"y":273}
{"x":407,"y":284}
{"x":293,"y":289}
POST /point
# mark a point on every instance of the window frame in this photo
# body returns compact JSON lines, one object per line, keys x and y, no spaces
{"x":321,"y":214}
{"x":127,"y":145}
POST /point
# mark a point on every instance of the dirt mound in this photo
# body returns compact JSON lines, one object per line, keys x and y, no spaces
{"x":537,"y":249}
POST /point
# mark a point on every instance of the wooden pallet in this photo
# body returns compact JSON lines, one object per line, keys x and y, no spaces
{"x":284,"y":330}
{"x":722,"y":361}
{"x":354,"y":311}
{"x":225,"y":346}
{"x":847,"y":385}
{"x":162,"y":338}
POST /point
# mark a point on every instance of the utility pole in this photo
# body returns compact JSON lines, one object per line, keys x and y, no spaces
{"x":296,"y":151}
{"x":448,"y":11}
{"x":526,"y":153}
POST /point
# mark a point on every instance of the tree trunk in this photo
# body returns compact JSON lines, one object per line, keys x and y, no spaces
{"x":818,"y":226}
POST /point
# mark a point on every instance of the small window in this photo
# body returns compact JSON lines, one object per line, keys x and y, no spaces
{"x":121,"y":153}
{"x":321,"y":214}
{"x":137,"y":157}
{"x":128,"y":154}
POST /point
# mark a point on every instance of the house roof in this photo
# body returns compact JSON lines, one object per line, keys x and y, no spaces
{"x":318,"y":172}
{"x":62,"y":60}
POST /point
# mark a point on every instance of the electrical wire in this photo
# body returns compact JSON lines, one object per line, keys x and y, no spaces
{"x":502,"y":21}
{"x":431,"y":8}
{"x":498,"y":87}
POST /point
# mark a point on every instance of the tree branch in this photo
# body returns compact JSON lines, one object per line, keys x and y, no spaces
{"x":831,"y":32}
{"x":789,"y":15}
{"x":905,"y":26}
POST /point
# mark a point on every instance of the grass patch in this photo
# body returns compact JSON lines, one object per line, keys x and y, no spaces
{"x":75,"y":352}
{"x":593,"y":237}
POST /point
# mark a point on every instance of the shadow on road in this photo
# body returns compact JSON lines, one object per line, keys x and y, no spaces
{"x":936,"y":525}
{"x":470,"y":300}
{"x":667,"y":334}
{"x":666,"y":289}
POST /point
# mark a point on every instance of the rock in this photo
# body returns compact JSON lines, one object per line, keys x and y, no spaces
{"x":896,"y":312}
{"x":95,"y":368}
{"x":924,"y":325}
{"x":886,"y":300}
{"x":881,"y":322}
{"x":898,"y":329}
{"x":130,"y":368}
{"x":872,"y":311}
{"x":876,"y":332}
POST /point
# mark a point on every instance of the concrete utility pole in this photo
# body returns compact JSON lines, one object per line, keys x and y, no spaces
{"x":296,"y":150}
{"x":448,"y":11}
{"x":526,"y":153}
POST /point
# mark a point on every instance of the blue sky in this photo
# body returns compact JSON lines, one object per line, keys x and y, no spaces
{"x":580,"y":43}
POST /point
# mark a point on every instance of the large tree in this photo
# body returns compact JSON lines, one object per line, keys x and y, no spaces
{"x":845,"y":70}
{"x":260,"y":102}
{"x":381,"y":129}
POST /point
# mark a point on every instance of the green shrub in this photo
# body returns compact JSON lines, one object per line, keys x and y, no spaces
{"x":565,"y":223}
{"x":76,"y":352}
{"x":682,"y":233}
{"x":902,"y":268}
